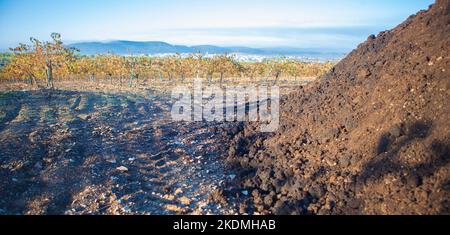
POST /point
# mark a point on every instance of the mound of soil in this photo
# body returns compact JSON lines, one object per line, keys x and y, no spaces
{"x":371,"y":137}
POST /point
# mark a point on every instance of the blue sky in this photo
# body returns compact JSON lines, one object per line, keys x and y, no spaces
{"x":256,"y":23}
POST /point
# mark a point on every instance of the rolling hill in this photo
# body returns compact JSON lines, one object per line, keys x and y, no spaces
{"x":122,"y":47}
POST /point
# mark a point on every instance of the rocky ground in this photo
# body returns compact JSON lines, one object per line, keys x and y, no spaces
{"x":71,"y":152}
{"x":370,"y":137}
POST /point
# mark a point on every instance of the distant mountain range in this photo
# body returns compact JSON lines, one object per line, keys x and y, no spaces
{"x":156,"y":47}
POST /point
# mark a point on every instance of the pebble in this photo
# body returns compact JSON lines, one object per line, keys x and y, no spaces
{"x":174,"y":208}
{"x":169,"y":197}
{"x":84,"y":117}
{"x":178,"y":191}
{"x":184,"y":200}
{"x":122,"y":168}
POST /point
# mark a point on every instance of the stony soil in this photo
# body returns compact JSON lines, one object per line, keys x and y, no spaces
{"x":72,"y":152}
{"x":370,"y":137}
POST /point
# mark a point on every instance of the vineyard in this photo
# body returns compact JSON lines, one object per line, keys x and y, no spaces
{"x":104,"y":141}
{"x":42,"y":63}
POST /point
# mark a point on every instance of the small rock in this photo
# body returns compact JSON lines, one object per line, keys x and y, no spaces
{"x":184,"y":200}
{"x":169,"y":197}
{"x":395,"y":131}
{"x":413,"y":181}
{"x":243,"y":208}
{"x":84,"y":117}
{"x":364,"y":73}
{"x":268,"y":200}
{"x":34,"y":136}
{"x":218,"y":196}
{"x":353,"y":203}
{"x":167,"y":189}
{"x":335,"y":132}
{"x":174,"y":208}
{"x":281,"y":207}
{"x":317,"y":191}
{"x":178,"y":191}
{"x":122,"y":168}
{"x":344,"y":161}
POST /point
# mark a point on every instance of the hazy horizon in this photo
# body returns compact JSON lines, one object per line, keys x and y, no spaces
{"x":338,"y":38}
{"x":287,"y":23}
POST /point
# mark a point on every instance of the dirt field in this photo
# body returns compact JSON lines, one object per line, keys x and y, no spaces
{"x":370,"y":137}
{"x":72,"y":152}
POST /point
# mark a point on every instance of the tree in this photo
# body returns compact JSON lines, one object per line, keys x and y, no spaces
{"x":48,"y":60}
{"x":279,"y":67}
{"x":41,"y":60}
{"x":86,"y":67}
{"x":4,"y":58}
{"x":183,"y":66}
{"x":224,"y":64}
{"x":23,"y":64}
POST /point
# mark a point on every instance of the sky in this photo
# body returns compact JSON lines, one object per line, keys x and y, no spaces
{"x":254,"y":23}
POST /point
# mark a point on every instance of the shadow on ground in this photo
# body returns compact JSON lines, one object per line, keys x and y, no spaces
{"x":67,"y":152}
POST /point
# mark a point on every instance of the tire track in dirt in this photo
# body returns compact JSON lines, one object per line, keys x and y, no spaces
{"x":93,"y":153}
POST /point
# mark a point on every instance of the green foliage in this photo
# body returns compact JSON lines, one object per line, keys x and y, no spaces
{"x":4,"y":58}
